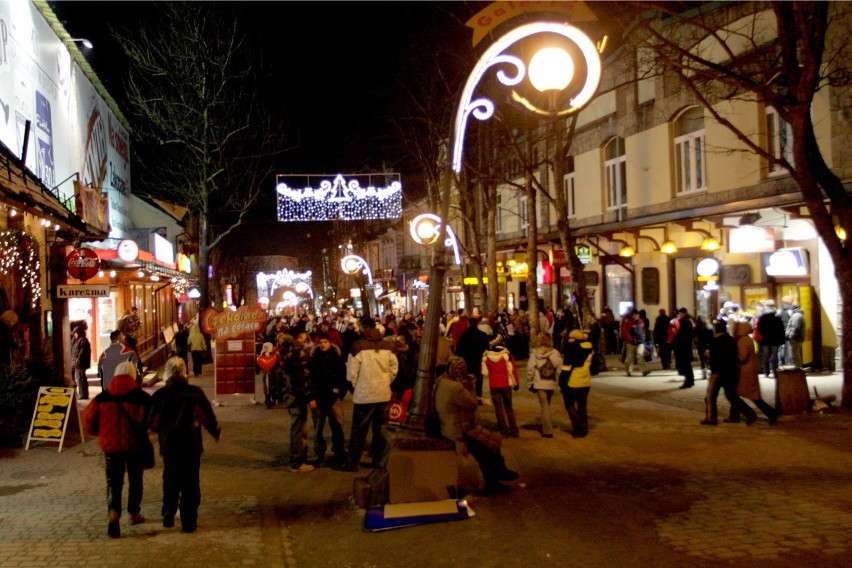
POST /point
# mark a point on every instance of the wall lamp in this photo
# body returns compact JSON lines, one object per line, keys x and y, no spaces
{"x":626,"y":250}
{"x":710,"y":242}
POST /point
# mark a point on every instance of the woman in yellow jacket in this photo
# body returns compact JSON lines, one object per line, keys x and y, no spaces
{"x":575,"y":380}
{"x":197,"y":347}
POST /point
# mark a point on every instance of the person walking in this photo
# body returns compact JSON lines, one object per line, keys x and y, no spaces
{"x":769,"y":332}
{"x":683,"y":345}
{"x":723,"y":357}
{"x":543,"y":369}
{"x":182,"y":343}
{"x":575,"y":381}
{"x":329,"y":384}
{"x":661,"y":339}
{"x":371,"y":368}
{"x":81,"y":360}
{"x":455,"y":405}
{"x":179,"y":411}
{"x":197,"y":346}
{"x":112,"y":356}
{"x":498,"y":367}
{"x":634,"y":343}
{"x":299,"y":399}
{"x":703,"y":334}
{"x":129,"y":324}
{"x":749,"y":383}
{"x":109,"y":418}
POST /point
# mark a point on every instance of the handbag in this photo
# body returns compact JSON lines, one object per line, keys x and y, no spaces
{"x":144,"y":446}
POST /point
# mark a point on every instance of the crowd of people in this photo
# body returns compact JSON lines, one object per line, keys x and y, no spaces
{"x":311,"y":364}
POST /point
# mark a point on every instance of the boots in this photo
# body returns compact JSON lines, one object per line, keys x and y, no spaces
{"x":113,"y":526}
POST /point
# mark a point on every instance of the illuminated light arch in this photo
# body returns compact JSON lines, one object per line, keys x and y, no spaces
{"x":338,"y":198}
{"x":483,"y":109}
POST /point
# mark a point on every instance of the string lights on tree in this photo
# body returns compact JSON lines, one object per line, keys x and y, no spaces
{"x":19,"y":256}
{"x":339,"y":198}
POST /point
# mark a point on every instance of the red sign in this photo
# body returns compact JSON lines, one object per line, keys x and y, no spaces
{"x":227,"y":323}
{"x":82,"y":263}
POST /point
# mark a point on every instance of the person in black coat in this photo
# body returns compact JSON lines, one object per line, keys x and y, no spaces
{"x":661,"y":339}
{"x":329,"y":385}
{"x":472,"y":344}
{"x":683,"y":345}
{"x":724,"y":375}
{"x":769,"y":331}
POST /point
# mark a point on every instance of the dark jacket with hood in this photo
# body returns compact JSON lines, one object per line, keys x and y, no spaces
{"x":104,"y":419}
{"x":178,"y":412}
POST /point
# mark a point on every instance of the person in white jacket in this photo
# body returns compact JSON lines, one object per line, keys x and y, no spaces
{"x":371,"y":368}
{"x":543,"y":369}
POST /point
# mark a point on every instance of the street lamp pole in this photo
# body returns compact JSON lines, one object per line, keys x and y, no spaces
{"x":512,"y":72}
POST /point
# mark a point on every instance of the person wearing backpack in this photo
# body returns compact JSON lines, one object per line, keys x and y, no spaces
{"x":575,"y":380}
{"x":542,"y":372}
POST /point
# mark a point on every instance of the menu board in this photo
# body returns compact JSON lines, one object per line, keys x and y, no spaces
{"x":51,"y":415}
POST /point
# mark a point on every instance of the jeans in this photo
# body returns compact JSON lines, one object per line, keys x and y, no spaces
{"x":82,"y":383}
{"x":769,"y":357}
{"x":197,"y":360}
{"x":632,"y":357}
{"x":544,"y":397}
{"x":576,"y":403}
{"x":794,"y":353}
{"x":116,"y":465}
{"x":298,"y":434}
{"x":182,"y":487}
{"x":365,"y":417}
{"x":505,"y":414}
{"x":334,"y":414}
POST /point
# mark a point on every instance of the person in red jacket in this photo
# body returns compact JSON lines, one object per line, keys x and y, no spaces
{"x":118,"y":439}
{"x":499,"y":368}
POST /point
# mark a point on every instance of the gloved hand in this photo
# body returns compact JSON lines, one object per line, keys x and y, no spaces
{"x":533,"y":389}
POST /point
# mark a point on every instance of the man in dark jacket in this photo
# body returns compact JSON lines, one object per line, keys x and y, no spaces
{"x":770,"y":331}
{"x":724,"y":375}
{"x":473,"y":342}
{"x":661,"y":339}
{"x":683,"y":344}
{"x":328,"y":380}
{"x":299,"y":396}
{"x":81,"y":357}
{"x":178,"y":412}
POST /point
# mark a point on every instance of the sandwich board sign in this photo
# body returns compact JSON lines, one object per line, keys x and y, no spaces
{"x":53,"y":409}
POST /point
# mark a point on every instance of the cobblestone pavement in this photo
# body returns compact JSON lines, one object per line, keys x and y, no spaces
{"x":649,"y":486}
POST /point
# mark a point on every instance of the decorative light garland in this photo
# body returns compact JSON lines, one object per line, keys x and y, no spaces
{"x":19,"y":251}
{"x":286,"y":278}
{"x":339,"y":199}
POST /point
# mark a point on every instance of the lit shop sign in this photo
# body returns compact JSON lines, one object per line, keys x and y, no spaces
{"x":163,"y":250}
{"x":708,"y":272}
{"x":228,"y":323}
{"x":317,"y":198}
{"x":787,"y":262}
{"x":751,"y":239}
{"x":127,"y":250}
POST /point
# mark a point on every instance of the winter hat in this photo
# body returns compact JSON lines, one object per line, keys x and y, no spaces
{"x":682,"y":311}
{"x":367,"y":321}
{"x":457,"y":369}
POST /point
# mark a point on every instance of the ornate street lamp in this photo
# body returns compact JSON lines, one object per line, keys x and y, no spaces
{"x":425,"y":230}
{"x":566,"y":64}
{"x":351,"y":264}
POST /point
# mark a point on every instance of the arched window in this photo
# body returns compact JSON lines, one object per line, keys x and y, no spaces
{"x":690,"y":162}
{"x":615,"y":163}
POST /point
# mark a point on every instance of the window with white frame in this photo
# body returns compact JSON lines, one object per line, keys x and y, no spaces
{"x":690,"y":156}
{"x":523,"y":214}
{"x":499,"y":217}
{"x":779,"y":140}
{"x":570,"y":197}
{"x":615,"y":163}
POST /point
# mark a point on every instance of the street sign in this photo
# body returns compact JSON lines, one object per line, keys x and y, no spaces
{"x":66,"y":291}
{"x":82,"y":263}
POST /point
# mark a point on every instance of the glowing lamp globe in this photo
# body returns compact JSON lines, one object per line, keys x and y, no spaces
{"x":551,"y":69}
{"x":424,"y":228}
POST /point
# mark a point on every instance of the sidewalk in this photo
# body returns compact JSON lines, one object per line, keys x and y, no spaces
{"x":649,"y":486}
